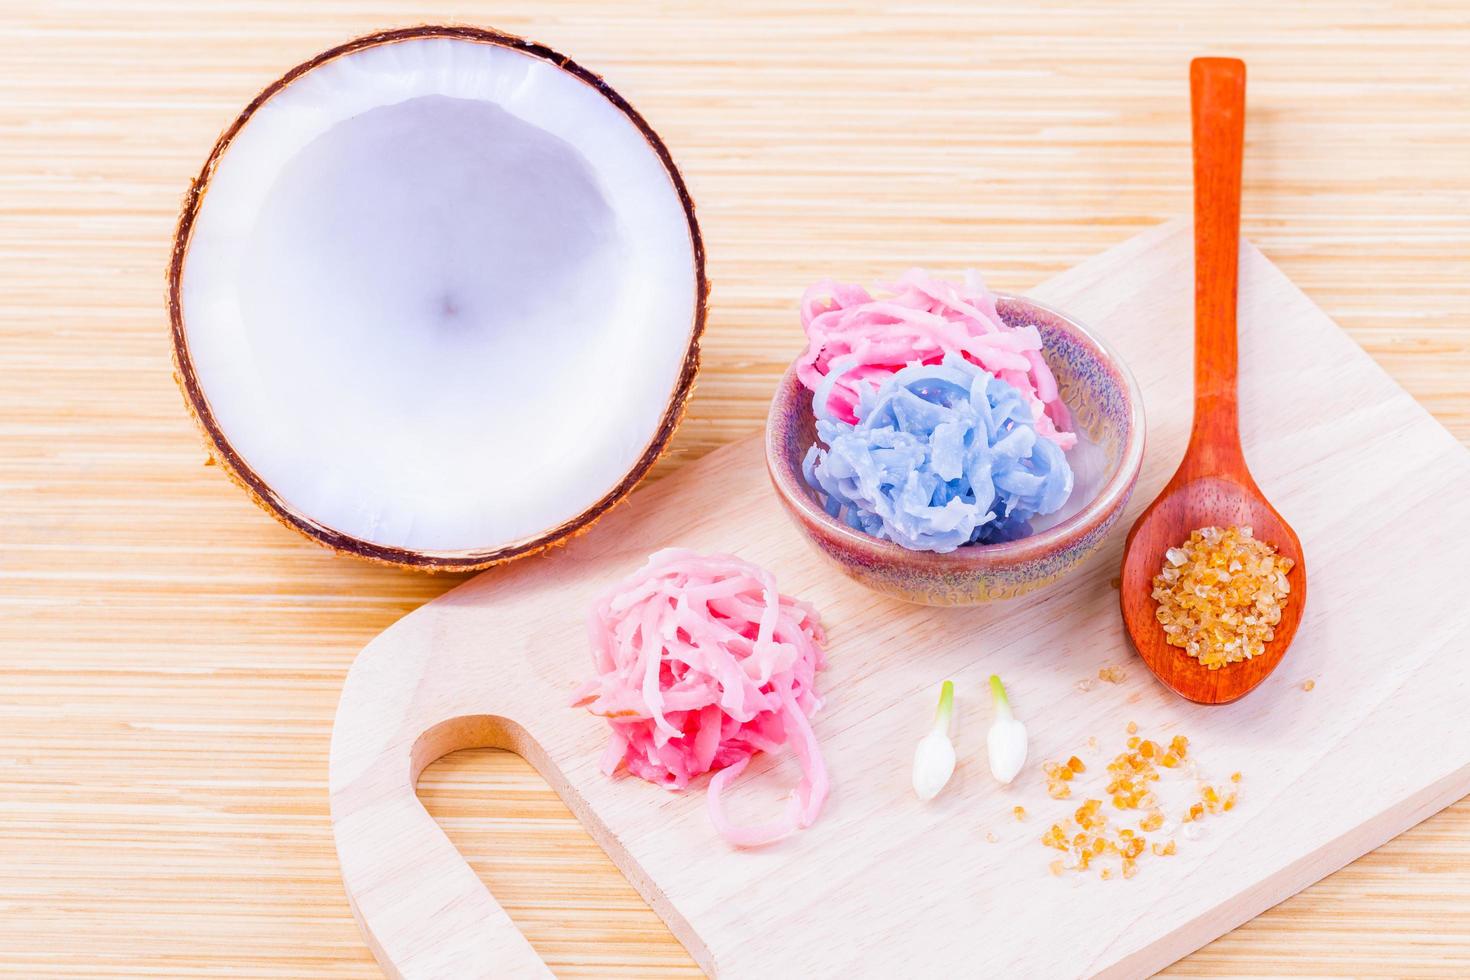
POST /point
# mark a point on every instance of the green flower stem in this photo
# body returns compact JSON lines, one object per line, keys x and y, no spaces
{"x":945,"y":712}
{"x":1002,"y":703}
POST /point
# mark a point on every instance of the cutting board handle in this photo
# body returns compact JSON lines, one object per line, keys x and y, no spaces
{"x":424,"y":911}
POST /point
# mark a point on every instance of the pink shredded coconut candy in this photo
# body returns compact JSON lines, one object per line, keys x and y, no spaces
{"x":920,"y":319}
{"x":701,"y":663}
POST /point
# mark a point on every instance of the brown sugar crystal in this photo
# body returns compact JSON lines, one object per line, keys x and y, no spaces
{"x":1220,"y":595}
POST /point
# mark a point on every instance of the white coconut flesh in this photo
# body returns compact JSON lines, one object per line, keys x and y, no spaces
{"x":439,"y":296}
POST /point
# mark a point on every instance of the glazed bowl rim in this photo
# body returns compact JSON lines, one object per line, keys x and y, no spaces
{"x":795,"y":494}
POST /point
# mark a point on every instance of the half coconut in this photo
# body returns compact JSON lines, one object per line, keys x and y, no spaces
{"x":437,"y":297}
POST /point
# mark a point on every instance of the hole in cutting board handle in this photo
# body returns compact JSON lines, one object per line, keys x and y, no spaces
{"x":477,"y":779}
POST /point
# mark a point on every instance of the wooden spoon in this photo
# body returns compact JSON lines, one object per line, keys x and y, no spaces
{"x":1212,"y":485}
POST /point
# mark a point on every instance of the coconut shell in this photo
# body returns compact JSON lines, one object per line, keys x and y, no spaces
{"x":230,"y":461}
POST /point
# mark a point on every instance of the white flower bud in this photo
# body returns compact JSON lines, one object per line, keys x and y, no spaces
{"x":934,"y":758}
{"x":1006,"y":740}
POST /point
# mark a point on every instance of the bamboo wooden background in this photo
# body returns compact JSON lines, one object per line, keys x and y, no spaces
{"x":170,"y":657}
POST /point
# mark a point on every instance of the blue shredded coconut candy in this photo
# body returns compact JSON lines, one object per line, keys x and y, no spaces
{"x":942,"y":455}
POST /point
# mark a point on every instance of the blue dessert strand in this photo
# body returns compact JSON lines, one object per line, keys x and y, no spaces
{"x":942,"y":455}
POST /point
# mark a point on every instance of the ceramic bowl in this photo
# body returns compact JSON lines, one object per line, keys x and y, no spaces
{"x":1107,"y":412}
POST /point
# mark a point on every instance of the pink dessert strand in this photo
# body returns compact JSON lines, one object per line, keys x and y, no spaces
{"x":919,"y":319}
{"x":701,"y":663}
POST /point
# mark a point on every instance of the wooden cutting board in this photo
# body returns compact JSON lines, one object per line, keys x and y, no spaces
{"x":883,"y":885}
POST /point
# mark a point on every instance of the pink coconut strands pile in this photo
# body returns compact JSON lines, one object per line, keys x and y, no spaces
{"x":701,"y":663}
{"x":865,"y":340}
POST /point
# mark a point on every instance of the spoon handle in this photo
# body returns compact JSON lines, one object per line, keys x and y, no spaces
{"x":1217,"y":97}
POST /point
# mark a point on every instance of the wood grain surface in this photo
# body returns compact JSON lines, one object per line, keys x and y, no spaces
{"x":172,"y":658}
{"x":883,"y":886}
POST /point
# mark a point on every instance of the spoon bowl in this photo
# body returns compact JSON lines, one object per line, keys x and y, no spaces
{"x":1213,"y":485}
{"x":1185,"y":505}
